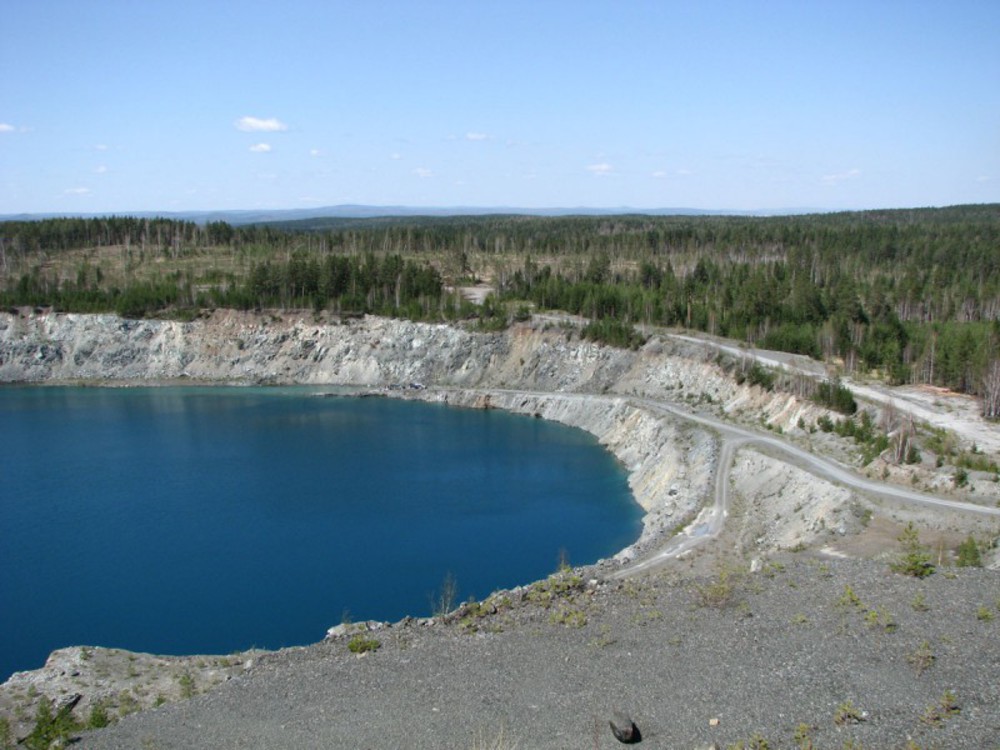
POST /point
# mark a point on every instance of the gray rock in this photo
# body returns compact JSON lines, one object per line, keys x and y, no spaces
{"x":623,"y":728}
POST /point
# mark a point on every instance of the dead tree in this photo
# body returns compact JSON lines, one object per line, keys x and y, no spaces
{"x":991,"y":391}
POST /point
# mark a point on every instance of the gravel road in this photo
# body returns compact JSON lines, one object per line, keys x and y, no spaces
{"x":781,"y":654}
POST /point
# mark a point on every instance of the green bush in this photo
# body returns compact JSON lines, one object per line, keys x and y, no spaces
{"x":835,"y":396}
{"x":613,"y":332}
{"x":361,"y":644}
{"x":757,"y":375}
{"x":98,"y":717}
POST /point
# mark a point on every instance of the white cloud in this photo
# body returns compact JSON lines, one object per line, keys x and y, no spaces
{"x":396,"y":156}
{"x":101,"y":169}
{"x":833,"y":179}
{"x":476,"y":136}
{"x":315,"y":152}
{"x":659,"y":173}
{"x":6,"y":127}
{"x":77,"y":191}
{"x":258,"y":125}
{"x":423,"y":172}
{"x":683,"y":172}
{"x":600,"y":170}
{"x":100,"y":147}
{"x":260,"y":148}
{"x":984,"y":178}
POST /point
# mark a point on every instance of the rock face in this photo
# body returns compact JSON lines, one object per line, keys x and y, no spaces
{"x":231,"y":346}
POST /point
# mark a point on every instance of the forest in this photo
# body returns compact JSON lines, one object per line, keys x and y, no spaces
{"x":911,"y":295}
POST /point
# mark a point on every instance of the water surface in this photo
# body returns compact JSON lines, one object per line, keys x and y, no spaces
{"x":209,"y":520}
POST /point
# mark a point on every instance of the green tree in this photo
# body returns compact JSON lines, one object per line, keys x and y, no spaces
{"x":969,"y":555}
{"x":914,"y":558}
{"x":50,"y":727}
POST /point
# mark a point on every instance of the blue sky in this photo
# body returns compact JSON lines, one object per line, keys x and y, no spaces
{"x":117,"y":106}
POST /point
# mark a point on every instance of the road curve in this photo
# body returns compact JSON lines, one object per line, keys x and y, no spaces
{"x":711,"y":519}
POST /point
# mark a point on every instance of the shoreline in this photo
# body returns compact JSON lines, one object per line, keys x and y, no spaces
{"x":69,"y":668}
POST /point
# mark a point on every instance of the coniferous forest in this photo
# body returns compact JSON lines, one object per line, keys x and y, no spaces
{"x":912,"y":295}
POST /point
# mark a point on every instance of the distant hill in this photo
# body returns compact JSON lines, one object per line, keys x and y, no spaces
{"x":354,"y":211}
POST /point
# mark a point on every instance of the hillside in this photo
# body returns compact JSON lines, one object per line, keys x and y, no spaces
{"x":908,"y":296}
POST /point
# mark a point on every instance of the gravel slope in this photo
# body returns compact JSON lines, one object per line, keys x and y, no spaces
{"x":767,"y":654}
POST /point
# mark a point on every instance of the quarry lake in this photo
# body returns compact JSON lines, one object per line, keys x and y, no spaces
{"x":209,"y":520}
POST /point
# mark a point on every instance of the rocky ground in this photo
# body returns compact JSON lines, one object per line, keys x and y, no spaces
{"x":740,"y":641}
{"x":836,"y":653}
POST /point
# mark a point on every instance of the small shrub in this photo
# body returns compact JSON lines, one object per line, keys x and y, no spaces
{"x":720,"y":591}
{"x":98,"y":718}
{"x":360,"y":644}
{"x":604,"y":639}
{"x":498,"y":741}
{"x":935,"y":715}
{"x":6,"y":734}
{"x":757,"y":742}
{"x":881,"y":619}
{"x":186,"y":682}
{"x":848,"y":598}
{"x":922,"y":658}
{"x":560,"y":584}
{"x":570,"y":617}
{"x":804,"y":736}
{"x":984,"y":613}
{"x":848,"y":713}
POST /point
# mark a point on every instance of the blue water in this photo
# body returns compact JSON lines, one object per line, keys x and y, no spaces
{"x":209,"y":520}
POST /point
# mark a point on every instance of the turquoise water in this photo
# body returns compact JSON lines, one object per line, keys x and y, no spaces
{"x":209,"y":520}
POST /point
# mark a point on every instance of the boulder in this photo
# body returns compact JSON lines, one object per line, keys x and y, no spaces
{"x":623,"y":728}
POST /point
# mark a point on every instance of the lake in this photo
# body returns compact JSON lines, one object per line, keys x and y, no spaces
{"x":209,"y":520}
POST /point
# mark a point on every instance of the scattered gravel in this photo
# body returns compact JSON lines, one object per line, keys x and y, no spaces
{"x":694,"y":660}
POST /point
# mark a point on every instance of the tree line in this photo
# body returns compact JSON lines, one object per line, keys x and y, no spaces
{"x":913,"y":294}
{"x":388,"y":286}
